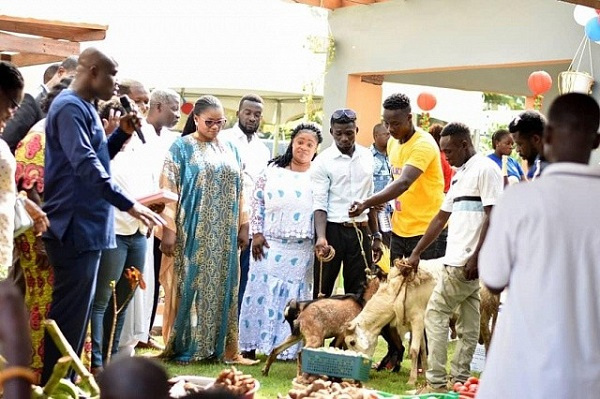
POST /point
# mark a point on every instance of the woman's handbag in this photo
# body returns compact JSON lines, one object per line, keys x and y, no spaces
{"x":23,"y":221}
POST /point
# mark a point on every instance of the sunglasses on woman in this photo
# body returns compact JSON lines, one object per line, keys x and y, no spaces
{"x":210,"y":123}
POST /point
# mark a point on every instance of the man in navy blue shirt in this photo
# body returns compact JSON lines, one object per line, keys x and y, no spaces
{"x":527,"y":130}
{"x":79,"y":196}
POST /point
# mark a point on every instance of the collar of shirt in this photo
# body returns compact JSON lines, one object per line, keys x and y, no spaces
{"x":571,"y":168}
{"x":375,"y":151}
{"x":241,"y":136}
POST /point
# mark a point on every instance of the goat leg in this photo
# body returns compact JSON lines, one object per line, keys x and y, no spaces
{"x":423,"y":355}
{"x":291,"y":340}
{"x":395,"y":352}
{"x":417,"y":328}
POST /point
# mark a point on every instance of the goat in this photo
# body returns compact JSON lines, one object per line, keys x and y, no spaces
{"x":401,"y":301}
{"x":315,"y":320}
{"x":488,"y":308}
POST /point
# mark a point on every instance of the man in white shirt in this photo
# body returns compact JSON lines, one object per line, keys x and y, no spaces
{"x":543,"y":242}
{"x":475,"y":188}
{"x":255,"y":155}
{"x":163,"y":114}
{"x":341,"y":174}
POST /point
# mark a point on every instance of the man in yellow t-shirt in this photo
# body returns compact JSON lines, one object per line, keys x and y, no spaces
{"x":418,"y":185}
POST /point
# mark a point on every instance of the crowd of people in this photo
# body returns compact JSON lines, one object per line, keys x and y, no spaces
{"x":248,"y":233}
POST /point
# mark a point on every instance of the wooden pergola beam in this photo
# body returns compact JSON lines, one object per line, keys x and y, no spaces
{"x":37,"y":45}
{"x":75,"y":32}
{"x":27,"y":59}
{"x":588,"y":3}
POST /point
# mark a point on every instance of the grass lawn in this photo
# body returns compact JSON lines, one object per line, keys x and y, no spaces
{"x":282,"y":373}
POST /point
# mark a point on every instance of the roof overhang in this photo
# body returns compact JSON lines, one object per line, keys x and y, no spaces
{"x":30,"y":41}
{"x":588,"y":3}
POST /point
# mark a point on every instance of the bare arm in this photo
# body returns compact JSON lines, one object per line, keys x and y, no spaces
{"x":321,"y":230}
{"x":434,"y":229}
{"x":393,"y":190}
{"x":471,"y":270}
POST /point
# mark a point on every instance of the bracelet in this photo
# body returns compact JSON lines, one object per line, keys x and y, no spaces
{"x":377,"y":235}
{"x":17,"y":372}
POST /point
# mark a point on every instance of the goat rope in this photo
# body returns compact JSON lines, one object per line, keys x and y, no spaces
{"x":409,"y":274}
{"x":327,"y":258}
{"x":360,"y":236}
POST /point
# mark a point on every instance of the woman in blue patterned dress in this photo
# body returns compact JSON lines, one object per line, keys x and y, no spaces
{"x":282,"y":244}
{"x":204,"y":239}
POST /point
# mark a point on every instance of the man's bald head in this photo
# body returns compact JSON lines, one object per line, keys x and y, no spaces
{"x":96,"y":75}
{"x":572,"y":130}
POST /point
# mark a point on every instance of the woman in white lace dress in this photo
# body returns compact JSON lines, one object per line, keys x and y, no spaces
{"x":282,"y":226}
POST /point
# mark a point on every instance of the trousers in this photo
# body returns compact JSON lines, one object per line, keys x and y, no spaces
{"x":75,"y":274}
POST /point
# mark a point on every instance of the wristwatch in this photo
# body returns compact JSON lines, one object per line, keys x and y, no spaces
{"x":377,"y":235}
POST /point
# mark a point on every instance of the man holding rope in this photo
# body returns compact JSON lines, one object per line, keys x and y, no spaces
{"x":341,"y":173}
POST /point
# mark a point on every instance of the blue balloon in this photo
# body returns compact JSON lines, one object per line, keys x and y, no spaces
{"x":592,"y":29}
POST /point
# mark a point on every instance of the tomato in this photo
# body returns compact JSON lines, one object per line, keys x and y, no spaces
{"x":467,"y":394}
{"x":467,"y":383}
{"x":473,"y":380}
{"x":463,"y":389}
{"x":473,"y":387}
{"x":457,"y":386}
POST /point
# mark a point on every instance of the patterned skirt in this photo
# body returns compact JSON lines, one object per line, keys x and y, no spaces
{"x":285,"y":272}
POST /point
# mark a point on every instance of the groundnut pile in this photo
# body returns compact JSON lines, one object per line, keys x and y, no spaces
{"x":235,"y":381}
{"x":329,"y":390}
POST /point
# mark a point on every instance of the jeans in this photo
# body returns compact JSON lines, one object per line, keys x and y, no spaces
{"x":75,"y":275}
{"x":130,"y":251}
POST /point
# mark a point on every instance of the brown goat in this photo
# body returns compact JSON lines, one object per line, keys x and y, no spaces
{"x":320,"y":319}
{"x":488,"y":308}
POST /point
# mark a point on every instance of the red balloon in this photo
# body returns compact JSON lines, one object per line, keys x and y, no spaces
{"x":539,"y":82}
{"x":426,"y":101}
{"x":186,"y":108}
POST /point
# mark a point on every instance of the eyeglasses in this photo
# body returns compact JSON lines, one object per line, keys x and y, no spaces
{"x":14,"y":104}
{"x":210,"y":123}
{"x":344,"y":113}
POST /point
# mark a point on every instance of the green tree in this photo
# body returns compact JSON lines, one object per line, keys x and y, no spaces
{"x":495,"y":100}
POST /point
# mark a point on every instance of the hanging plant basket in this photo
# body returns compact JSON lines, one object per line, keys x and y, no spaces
{"x":573,"y":80}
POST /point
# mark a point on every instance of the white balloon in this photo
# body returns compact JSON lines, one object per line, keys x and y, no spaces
{"x":583,"y":14}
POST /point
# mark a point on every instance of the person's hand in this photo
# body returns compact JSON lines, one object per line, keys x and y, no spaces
{"x":258,"y":242}
{"x":322,"y":247}
{"x":380,"y":207}
{"x":413,"y":260}
{"x":129,"y":122}
{"x":146,"y":216}
{"x":471,"y":270}
{"x":157,"y":208}
{"x":244,"y":236}
{"x":40,"y":220}
{"x":167,"y":244}
{"x":112,"y":123}
{"x":377,"y":249}
{"x":357,"y":208}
